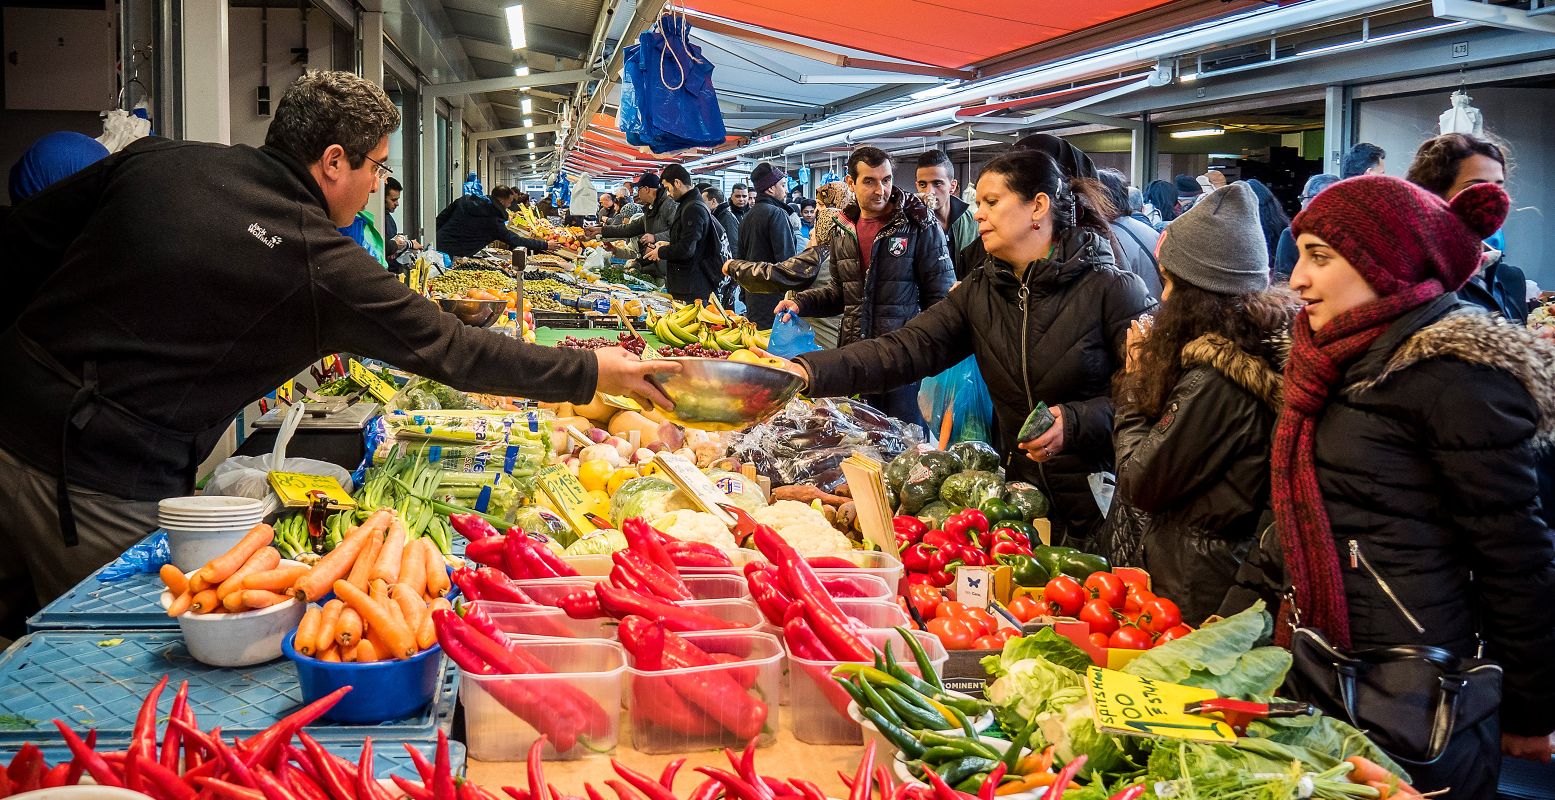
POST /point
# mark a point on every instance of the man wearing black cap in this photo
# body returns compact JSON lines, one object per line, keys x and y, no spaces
{"x":766,"y":236}
{"x":658,"y":215}
{"x":1188,"y":192}
{"x":694,"y":255}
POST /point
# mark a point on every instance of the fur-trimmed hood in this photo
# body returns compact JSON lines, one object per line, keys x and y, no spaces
{"x":905,"y":206}
{"x":1472,"y":336}
{"x":1242,"y":368}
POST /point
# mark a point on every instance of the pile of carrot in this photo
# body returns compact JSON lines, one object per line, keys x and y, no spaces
{"x":248,"y":576}
{"x":386,"y":587}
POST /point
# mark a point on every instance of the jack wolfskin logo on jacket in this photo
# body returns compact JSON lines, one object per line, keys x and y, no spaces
{"x":898,"y":245}
{"x":264,"y":236}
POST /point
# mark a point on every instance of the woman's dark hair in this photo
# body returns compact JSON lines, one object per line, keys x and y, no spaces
{"x":1271,"y":216}
{"x":1116,"y":184}
{"x":1163,"y":195}
{"x":1435,"y":168}
{"x":1079,"y":202}
{"x":1188,"y":312}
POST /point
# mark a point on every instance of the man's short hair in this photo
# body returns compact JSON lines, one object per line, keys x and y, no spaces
{"x":1361,"y":157}
{"x":933,"y":158}
{"x":392,"y":184}
{"x":714,"y":194}
{"x":322,"y":108}
{"x":675,"y":172}
{"x":868,"y":156}
{"x":502,"y":192}
{"x":805,"y":202}
{"x":738,"y":187}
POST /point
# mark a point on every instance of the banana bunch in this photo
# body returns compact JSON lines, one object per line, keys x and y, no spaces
{"x":707,"y":326}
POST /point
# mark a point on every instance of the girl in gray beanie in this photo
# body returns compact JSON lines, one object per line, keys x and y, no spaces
{"x":1196,"y":406}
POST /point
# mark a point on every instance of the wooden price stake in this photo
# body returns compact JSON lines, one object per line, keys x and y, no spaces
{"x":866,"y":484}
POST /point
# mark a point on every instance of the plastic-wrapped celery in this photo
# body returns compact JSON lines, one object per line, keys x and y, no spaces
{"x":472,"y":427}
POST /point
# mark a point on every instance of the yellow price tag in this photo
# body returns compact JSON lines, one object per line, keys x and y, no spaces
{"x":1135,"y":706}
{"x":296,"y":489}
{"x":287,"y":391}
{"x":374,"y":385}
{"x":567,"y":496}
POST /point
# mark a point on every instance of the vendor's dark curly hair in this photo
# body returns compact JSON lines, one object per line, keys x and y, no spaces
{"x":1248,"y":321}
{"x":1435,"y":168}
{"x":1076,"y":202}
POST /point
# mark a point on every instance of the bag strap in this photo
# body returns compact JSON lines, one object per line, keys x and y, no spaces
{"x":1142,"y":246}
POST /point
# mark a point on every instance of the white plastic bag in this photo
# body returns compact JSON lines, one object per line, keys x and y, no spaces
{"x":120,"y":127}
{"x":594,"y":261}
{"x":585,"y":201}
{"x":1462,"y":117}
{"x":249,"y":476}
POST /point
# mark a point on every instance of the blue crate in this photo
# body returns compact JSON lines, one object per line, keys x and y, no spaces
{"x":129,"y":604}
{"x":78,"y":678}
{"x":389,"y":758}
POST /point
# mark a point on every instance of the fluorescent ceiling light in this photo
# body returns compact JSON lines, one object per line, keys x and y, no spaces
{"x":516,"y":26}
{"x":935,"y":91}
{"x":520,"y":72}
{"x":1188,"y":77}
{"x":1225,"y":155}
{"x":1194,"y":133}
{"x":527,"y":104}
{"x":529,"y":122}
{"x":529,"y":136}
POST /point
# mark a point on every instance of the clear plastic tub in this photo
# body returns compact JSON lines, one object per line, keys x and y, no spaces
{"x":741,"y":612}
{"x":820,"y":707}
{"x":551,"y":591}
{"x":854,"y":585}
{"x":587,"y":674}
{"x":546,"y":623}
{"x":875,"y":613}
{"x":667,"y":718}
{"x":871,"y":562}
{"x":739,"y":557}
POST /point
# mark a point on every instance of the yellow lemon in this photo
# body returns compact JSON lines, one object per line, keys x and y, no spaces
{"x":600,"y":501}
{"x":594,"y":474}
{"x":619,"y":477}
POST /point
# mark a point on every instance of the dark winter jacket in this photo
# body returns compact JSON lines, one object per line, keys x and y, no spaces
{"x":1499,"y":288}
{"x":1137,"y":241}
{"x":693,"y":258}
{"x":765,"y":237}
{"x":724,"y":213}
{"x":963,"y":231}
{"x":176,"y":319}
{"x":1060,"y":344}
{"x":909,"y":272}
{"x":472,"y":222}
{"x":656,"y":219}
{"x":1426,"y":464}
{"x":1199,"y":473}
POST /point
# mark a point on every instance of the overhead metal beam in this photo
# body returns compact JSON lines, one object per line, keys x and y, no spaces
{"x":1510,"y":17}
{"x":1122,"y":123}
{"x":508,"y":83}
{"x":501,"y":132}
{"x":870,"y":79}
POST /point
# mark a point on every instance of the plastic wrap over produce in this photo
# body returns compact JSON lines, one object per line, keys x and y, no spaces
{"x":807,"y":442}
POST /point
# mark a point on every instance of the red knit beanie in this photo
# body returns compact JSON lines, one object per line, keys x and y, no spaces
{"x":1397,"y":234}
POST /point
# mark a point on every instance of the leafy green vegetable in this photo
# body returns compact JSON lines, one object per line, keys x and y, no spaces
{"x":1073,"y":733}
{"x":16,"y":722}
{"x":1222,"y":657}
{"x":1046,"y":643}
{"x":1033,"y":686}
{"x":597,"y":543}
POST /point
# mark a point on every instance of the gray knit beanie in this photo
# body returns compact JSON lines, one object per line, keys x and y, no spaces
{"x":1218,"y":244}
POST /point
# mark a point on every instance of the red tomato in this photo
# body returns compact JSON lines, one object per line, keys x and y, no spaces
{"x":925,"y":598}
{"x":955,"y":634}
{"x":1133,"y":578}
{"x":1160,"y":614}
{"x":1065,"y":594}
{"x":1099,"y":616}
{"x":987,"y":643}
{"x":1173,"y":633}
{"x":1129,"y":637}
{"x":952,"y":609}
{"x":1005,"y":634}
{"x":1136,"y":598}
{"x":1107,"y":587}
{"x":1099,"y":640}
{"x":1026,"y":608}
{"x":982,"y":618}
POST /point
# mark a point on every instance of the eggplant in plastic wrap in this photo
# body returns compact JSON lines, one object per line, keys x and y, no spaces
{"x":807,"y":442}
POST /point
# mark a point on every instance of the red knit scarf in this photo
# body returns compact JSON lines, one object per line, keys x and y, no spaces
{"x":1317,"y":362}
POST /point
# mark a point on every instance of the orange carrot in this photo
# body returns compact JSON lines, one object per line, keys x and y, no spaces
{"x":380,"y":649}
{"x":175,"y":580}
{"x":362,"y":570}
{"x":387,"y":568}
{"x":365,"y":652}
{"x":180,"y":604}
{"x":280,"y":579}
{"x":222,"y":566}
{"x":308,"y":630}
{"x":233,"y":602}
{"x":197,"y":583}
{"x":333,"y":566}
{"x":378,"y":591}
{"x":259,"y":598}
{"x":205,"y":601}
{"x":438,"y":582}
{"x":413,"y":568}
{"x":349,"y":630}
{"x":347,"y":654}
{"x":332,"y":654}
{"x":411,"y":606}
{"x":329,"y":622}
{"x":426,"y":634}
{"x":401,"y":643}
{"x":265,"y":558}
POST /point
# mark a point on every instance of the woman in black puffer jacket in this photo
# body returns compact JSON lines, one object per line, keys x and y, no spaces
{"x":1196,"y":407}
{"x":1403,"y":478}
{"x":1046,"y":314}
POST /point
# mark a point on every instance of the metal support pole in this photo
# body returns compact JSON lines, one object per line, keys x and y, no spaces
{"x":456,"y":149}
{"x":369,"y":43}
{"x":429,"y":168}
{"x":1140,"y":152}
{"x":1336,"y":127}
{"x":206,"y":95}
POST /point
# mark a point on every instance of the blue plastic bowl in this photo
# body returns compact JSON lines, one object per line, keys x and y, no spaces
{"x":382,"y":691}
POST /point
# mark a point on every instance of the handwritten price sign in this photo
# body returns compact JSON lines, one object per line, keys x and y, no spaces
{"x":1135,"y":706}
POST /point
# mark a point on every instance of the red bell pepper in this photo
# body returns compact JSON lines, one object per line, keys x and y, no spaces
{"x":620,"y":603}
{"x":909,"y":527}
{"x":696,"y":554}
{"x":523,"y":561}
{"x":771,"y":599}
{"x":715,"y":692}
{"x":626,"y":580}
{"x":660,"y":582}
{"x":582,"y":604}
{"x":800,"y":637}
{"x":1009,"y":548}
{"x":919,"y":557}
{"x":464,"y":578}
{"x":472,"y":527}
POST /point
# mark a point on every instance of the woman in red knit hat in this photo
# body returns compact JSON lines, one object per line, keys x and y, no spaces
{"x":1403,"y":478}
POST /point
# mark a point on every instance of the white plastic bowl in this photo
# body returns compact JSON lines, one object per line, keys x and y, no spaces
{"x":192,"y":548}
{"x":243,"y":639}
{"x":84,"y":791}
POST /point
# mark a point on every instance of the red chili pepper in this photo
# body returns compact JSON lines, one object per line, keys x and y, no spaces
{"x":298,"y":760}
{"x":491,"y":552}
{"x":623,"y":791}
{"x":648,"y":786}
{"x":707,"y":790}
{"x":1065,"y":775}
{"x":229,"y":790}
{"x":171,"y":738}
{"x":667,"y":776}
{"x":746,"y":677}
{"x":335,"y":782}
{"x":497,"y":587}
{"x":166,"y":782}
{"x":582,"y":604}
{"x":807,"y":789}
{"x":442,"y":783}
{"x":716,"y":693}
{"x":464,"y":578}
{"x":656,"y":579}
{"x":542,"y":553}
{"x":735,"y":787}
{"x":300,"y":783}
{"x":367,"y":787}
{"x":991,"y":783}
{"x":413,"y":790}
{"x":553,"y":714}
{"x":771,"y":599}
{"x":538,"y":790}
{"x":472,"y":526}
{"x":825,"y":617}
{"x":521,"y":563}
{"x":626,"y":580}
{"x":144,"y":737}
{"x":264,"y":745}
{"x":523,"y":794}
{"x":1131,"y":793}
{"x":648,"y":543}
{"x":696,"y":554}
{"x":26,"y":769}
{"x":620,"y":603}
{"x":800,"y":637}
{"x":843,"y":586}
{"x":237,"y":770}
{"x":861,"y":778}
{"x":132,"y":761}
{"x":55,"y":776}
{"x":93,"y":761}
{"x":830,"y":562}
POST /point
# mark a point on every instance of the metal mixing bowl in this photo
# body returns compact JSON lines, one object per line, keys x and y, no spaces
{"x":480,"y":313}
{"x":719,"y":395}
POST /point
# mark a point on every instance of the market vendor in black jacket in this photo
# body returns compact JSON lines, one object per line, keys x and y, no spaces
{"x":137,"y":324}
{"x":766,"y":237}
{"x":472,"y":222}
{"x":694,"y":255}
{"x":891,"y":264}
{"x":1051,"y":330}
{"x":1402,"y":471}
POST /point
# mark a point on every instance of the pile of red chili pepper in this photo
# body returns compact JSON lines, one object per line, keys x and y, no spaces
{"x":696,"y":703}
{"x":191,"y":764}
{"x":790,"y":594}
{"x":555,"y":708}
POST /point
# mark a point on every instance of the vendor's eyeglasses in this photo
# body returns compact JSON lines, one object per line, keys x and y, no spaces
{"x":380,"y":170}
